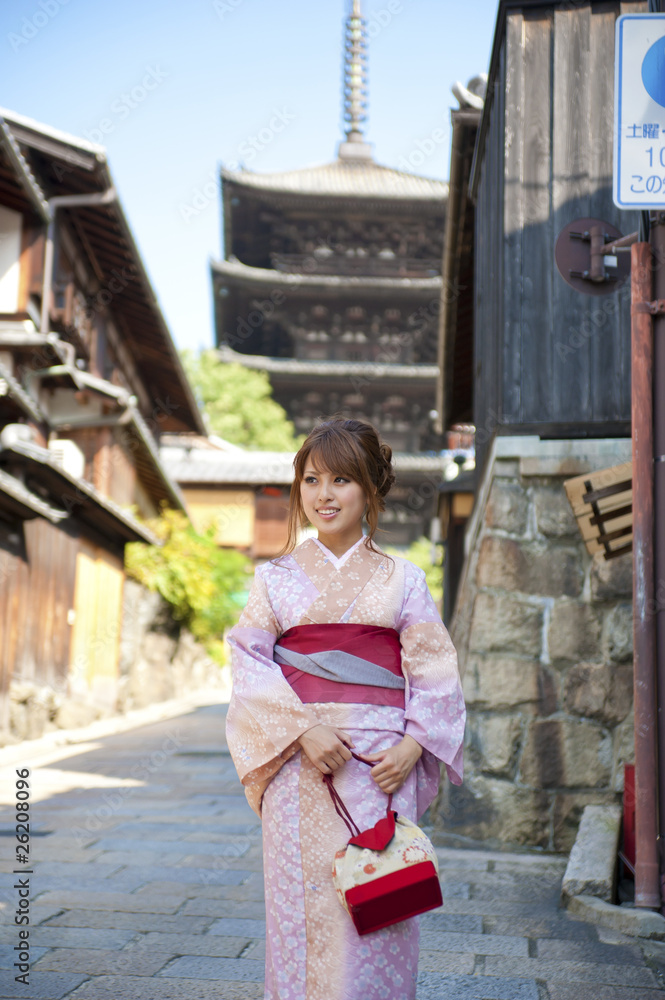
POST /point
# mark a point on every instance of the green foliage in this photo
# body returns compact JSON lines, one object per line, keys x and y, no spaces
{"x":200,"y":581}
{"x":238,"y":404}
{"x":420,"y":553}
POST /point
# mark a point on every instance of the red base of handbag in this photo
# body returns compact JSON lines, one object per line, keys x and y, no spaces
{"x":394,"y":897}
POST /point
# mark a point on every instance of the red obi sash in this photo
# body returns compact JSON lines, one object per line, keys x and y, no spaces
{"x":380,"y":646}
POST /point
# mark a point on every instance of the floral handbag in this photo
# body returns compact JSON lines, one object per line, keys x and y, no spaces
{"x":387,"y":873}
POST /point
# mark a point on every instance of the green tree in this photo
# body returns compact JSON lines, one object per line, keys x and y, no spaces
{"x":420,"y":553}
{"x":238,"y":404}
{"x":204,"y":585}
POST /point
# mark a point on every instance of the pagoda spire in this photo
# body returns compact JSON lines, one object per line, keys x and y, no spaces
{"x":355,"y":86}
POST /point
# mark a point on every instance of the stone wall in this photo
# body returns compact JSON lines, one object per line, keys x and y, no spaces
{"x":158,"y":660}
{"x":544,"y":636}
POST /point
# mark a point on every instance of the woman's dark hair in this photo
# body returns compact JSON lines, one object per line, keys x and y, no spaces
{"x":348,"y":448}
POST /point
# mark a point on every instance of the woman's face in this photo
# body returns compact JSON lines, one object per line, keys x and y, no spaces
{"x":334,"y":504}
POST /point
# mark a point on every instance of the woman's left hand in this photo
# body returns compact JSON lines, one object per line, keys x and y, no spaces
{"x":394,"y":764}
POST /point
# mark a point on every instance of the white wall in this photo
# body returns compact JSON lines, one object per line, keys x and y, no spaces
{"x":10,"y":253}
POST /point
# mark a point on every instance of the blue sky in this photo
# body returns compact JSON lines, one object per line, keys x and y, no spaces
{"x":173,"y":90}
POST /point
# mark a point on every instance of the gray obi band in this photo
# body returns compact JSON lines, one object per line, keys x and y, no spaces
{"x":336,"y":665}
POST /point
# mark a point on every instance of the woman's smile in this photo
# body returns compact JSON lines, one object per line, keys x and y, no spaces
{"x":335,"y":505}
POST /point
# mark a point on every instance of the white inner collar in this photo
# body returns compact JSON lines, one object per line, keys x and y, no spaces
{"x":337,"y":562}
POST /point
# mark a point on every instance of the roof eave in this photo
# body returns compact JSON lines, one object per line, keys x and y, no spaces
{"x":244,"y":274}
{"x":464,"y":122}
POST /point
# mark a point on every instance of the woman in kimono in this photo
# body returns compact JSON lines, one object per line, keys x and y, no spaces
{"x":338,"y":644}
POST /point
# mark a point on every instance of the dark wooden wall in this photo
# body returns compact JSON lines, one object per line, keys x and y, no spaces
{"x":549,"y":360}
{"x":37,"y":573}
{"x":490,"y":280}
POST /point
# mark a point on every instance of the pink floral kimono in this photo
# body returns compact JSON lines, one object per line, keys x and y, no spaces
{"x":313,"y":949}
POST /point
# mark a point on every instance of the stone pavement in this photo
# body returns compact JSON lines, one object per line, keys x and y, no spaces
{"x":147,"y":885}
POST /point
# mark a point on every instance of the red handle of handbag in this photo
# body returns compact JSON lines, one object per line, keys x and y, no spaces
{"x":340,"y":808}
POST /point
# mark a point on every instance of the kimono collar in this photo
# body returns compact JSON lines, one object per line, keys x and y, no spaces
{"x":338,"y":588}
{"x":338,"y":561}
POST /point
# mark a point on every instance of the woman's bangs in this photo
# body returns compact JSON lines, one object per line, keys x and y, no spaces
{"x":334,"y":455}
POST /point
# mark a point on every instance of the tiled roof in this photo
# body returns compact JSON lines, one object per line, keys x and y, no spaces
{"x":203,"y":466}
{"x":81,"y":498}
{"x":345,"y":369}
{"x":9,"y":386}
{"x":22,"y":500}
{"x":344,"y":178}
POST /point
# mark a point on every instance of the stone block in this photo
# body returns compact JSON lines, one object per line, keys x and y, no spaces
{"x":618,"y":633}
{"x":611,"y":578}
{"x":475,"y":944}
{"x":158,"y":649}
{"x":44,"y":986}
{"x":567,"y":813}
{"x":592,"y":861}
{"x":494,"y":742}
{"x":554,"y":515}
{"x":625,"y":920}
{"x":497,"y":812}
{"x":500,"y":682}
{"x":561,"y":753}
{"x":623,"y":751}
{"x":507,"y":507}
{"x":503,"y":623}
{"x":529,"y":567}
{"x":599,"y":691}
{"x":205,"y":967}
{"x":574,"y":631}
{"x":72,"y":713}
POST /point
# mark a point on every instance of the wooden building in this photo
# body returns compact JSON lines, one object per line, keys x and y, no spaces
{"x":243,"y":494}
{"x":541,"y":372}
{"x":89,"y":379}
{"x":546,"y":359}
{"x":331,"y":283}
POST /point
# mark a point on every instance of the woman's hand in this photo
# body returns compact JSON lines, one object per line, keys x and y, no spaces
{"x":325,"y":747}
{"x":395,"y":764}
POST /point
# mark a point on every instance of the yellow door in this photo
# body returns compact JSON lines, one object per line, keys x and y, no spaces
{"x":97,"y":623}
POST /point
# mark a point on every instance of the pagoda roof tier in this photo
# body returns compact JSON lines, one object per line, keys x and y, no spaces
{"x":240,"y":274}
{"x":280,"y":368}
{"x":343,"y":178}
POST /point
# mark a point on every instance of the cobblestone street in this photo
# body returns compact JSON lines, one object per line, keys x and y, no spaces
{"x":147,"y":885}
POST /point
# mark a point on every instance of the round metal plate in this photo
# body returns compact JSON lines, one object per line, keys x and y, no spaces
{"x":574,"y":255}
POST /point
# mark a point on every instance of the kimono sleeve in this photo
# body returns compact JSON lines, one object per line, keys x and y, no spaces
{"x":435,"y":712}
{"x":265,"y":716}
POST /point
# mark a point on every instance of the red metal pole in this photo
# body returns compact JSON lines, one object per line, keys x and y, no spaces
{"x":647,"y":876}
{"x":657,"y":241}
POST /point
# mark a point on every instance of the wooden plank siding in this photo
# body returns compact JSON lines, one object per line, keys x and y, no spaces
{"x":548,"y":359}
{"x":14,"y":584}
{"x":513,"y":218}
{"x":489,"y":279}
{"x":270,"y":522}
{"x":36,"y":593}
{"x":95,"y":636}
